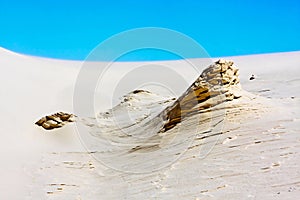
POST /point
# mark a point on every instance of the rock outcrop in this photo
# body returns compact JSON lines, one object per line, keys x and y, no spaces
{"x":56,"y":120}
{"x":217,"y":83}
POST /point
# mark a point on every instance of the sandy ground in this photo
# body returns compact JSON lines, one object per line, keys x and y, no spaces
{"x":253,"y":154}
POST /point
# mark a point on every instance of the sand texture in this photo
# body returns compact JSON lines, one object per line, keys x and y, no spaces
{"x":246,"y":146}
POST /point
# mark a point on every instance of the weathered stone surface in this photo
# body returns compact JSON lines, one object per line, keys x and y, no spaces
{"x":218,"y":83}
{"x":218,"y":80}
{"x":56,"y":120}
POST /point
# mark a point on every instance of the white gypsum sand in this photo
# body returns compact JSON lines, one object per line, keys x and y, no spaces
{"x":256,"y":154}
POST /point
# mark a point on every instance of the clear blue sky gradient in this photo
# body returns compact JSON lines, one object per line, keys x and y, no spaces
{"x":71,"y":29}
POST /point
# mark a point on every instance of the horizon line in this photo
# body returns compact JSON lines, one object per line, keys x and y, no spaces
{"x":146,"y":60}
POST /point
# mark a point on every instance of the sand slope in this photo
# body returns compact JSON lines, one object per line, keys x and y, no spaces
{"x":254,"y":156}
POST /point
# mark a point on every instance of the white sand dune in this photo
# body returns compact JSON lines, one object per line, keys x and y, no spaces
{"x":253,"y":154}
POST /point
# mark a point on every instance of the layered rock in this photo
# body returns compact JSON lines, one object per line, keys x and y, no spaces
{"x":218,"y":83}
{"x":56,"y":120}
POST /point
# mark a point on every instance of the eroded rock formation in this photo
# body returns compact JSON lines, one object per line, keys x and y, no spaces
{"x":56,"y":120}
{"x":218,"y":83}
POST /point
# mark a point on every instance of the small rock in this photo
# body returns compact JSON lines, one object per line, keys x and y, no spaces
{"x":56,"y":120}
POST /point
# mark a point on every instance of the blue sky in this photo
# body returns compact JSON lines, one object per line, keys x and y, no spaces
{"x":71,"y":29}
